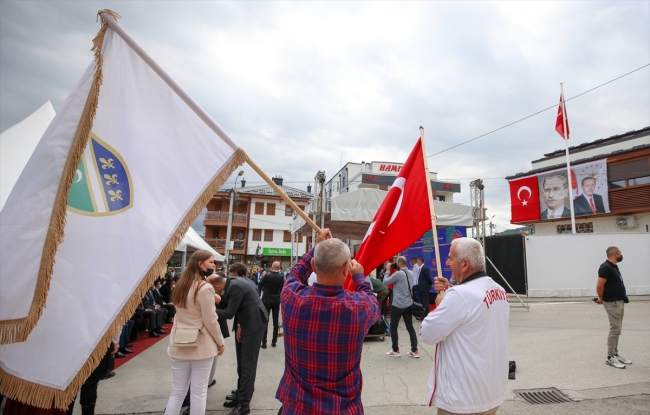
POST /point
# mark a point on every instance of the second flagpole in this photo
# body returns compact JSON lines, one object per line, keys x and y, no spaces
{"x":431,"y":207}
{"x":568,"y":164}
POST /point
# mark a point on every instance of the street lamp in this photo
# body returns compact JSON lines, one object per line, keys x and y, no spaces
{"x":233,"y":193}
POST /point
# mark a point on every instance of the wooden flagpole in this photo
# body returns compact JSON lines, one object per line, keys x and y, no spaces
{"x":283,"y":195}
{"x":431,"y":207}
{"x":200,"y":112}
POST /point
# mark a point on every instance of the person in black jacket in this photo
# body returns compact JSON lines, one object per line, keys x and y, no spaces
{"x":243,"y":303}
{"x":159,"y":299}
{"x":271,"y":286}
{"x":424,"y":284}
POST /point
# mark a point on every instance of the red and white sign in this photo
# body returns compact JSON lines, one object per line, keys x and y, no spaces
{"x":524,"y":199}
{"x":390,"y":167}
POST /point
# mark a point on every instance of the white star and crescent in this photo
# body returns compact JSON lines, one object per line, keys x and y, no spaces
{"x":530,"y":193}
{"x":400,"y":182}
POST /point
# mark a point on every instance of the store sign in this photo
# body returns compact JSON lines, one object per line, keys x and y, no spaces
{"x":380,"y":179}
{"x":276,"y":251}
{"x":390,"y":167}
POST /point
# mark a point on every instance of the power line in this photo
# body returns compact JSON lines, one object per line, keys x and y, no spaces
{"x":538,"y":112}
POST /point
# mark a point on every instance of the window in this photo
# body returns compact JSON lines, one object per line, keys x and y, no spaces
{"x":259,"y":208}
{"x":270,"y":209}
{"x":257,"y":234}
{"x":287,"y":236}
{"x":584,"y":227}
{"x":240,"y":235}
{"x":639,"y":180}
{"x":288,"y":211}
{"x":440,"y":198}
{"x":268,"y":235}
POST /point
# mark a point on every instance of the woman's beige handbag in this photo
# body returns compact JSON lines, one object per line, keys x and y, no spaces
{"x":186,"y":337}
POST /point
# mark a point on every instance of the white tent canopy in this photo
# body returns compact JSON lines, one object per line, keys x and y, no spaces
{"x":193,"y":240}
{"x":351,"y":214}
{"x":361,"y":205}
{"x":17,"y":144}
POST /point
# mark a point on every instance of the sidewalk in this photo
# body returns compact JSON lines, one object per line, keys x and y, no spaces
{"x":559,"y":344}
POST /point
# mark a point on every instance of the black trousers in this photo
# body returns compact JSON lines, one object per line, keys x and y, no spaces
{"x":272,"y":309}
{"x":395,"y":315}
{"x":250,"y":351}
{"x":88,"y":394}
{"x":138,"y":318}
{"x":424,"y":296}
{"x":171,"y":311}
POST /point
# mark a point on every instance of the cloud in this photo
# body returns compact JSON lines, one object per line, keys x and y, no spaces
{"x":298,"y":84}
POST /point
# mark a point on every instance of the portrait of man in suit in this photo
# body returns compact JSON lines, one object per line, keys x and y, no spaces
{"x":556,"y":189}
{"x":589,"y":203}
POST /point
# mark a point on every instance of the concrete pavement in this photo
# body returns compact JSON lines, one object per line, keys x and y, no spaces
{"x":559,"y":344}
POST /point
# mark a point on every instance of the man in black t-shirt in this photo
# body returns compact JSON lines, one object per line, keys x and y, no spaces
{"x":611,"y":294}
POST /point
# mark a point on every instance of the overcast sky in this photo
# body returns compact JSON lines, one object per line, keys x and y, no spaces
{"x":302,"y":85}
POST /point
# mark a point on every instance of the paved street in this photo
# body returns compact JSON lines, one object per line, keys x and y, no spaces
{"x":555,"y":344}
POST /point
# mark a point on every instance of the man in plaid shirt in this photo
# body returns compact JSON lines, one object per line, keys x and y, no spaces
{"x":324,"y":327}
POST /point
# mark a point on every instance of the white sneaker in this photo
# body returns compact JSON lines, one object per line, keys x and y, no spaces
{"x":623,"y":360}
{"x":415,"y":354}
{"x":398,"y":354}
{"x":613,"y":361}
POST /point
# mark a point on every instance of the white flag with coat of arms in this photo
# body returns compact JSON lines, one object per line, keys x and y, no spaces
{"x":146,"y":167}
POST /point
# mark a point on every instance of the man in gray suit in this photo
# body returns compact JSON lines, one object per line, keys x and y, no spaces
{"x":556,"y":189}
{"x":244,"y":304}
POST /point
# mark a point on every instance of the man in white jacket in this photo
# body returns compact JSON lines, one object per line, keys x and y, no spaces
{"x":470,"y":328}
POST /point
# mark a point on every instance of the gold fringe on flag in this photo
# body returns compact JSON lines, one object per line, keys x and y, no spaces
{"x":17,"y":330}
{"x":45,"y":397}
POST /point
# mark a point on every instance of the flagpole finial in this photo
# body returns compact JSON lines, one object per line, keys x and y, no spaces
{"x":421,"y":128}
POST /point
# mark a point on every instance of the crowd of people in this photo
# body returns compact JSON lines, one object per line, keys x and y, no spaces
{"x":469,"y":328}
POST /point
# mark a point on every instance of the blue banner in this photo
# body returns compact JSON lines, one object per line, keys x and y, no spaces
{"x":423,"y":248}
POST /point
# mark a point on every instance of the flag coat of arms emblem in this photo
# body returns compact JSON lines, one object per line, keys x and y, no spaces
{"x":100,"y":177}
{"x":102,"y":184}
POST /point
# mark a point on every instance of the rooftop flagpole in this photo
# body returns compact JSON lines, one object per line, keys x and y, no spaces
{"x":568,"y":164}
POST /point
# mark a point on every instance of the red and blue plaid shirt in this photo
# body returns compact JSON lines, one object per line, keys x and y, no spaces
{"x":324,"y":327}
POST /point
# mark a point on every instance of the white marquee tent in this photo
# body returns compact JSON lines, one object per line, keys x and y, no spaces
{"x":17,"y":143}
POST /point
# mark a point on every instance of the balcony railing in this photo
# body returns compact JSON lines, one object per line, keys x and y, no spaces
{"x":223,"y":217}
{"x":221,"y":243}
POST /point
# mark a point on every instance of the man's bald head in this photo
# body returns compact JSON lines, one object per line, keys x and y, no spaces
{"x":330,"y":256}
{"x":275,"y":266}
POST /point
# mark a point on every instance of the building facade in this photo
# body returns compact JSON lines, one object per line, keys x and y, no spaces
{"x":381,"y":175}
{"x":260,"y":227}
{"x":625,"y":178}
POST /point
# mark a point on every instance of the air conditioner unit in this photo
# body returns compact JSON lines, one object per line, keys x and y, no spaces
{"x":625,"y":222}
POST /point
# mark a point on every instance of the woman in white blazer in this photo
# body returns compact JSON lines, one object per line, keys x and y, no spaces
{"x":194,"y":299}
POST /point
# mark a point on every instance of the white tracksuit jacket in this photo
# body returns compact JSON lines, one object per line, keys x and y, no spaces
{"x":470,"y":327}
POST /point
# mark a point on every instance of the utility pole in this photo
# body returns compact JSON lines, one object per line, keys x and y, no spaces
{"x":233,"y":194}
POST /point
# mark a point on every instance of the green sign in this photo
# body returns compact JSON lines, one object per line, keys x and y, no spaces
{"x":276,"y":251}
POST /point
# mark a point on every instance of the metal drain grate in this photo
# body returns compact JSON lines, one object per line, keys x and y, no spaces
{"x":542,"y":396}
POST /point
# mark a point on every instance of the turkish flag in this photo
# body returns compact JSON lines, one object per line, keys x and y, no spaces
{"x":559,"y":122}
{"x":524,"y":199}
{"x":403,"y":217}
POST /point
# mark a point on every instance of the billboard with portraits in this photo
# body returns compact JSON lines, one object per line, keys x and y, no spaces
{"x":588,"y":190}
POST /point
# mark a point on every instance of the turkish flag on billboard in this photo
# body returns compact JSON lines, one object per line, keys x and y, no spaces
{"x":524,"y":199}
{"x":559,"y":121}
{"x":402,"y":218}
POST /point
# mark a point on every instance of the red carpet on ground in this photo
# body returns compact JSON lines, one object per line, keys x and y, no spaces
{"x":141,"y":345}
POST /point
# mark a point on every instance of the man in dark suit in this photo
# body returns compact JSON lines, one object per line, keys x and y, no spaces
{"x":159,"y":300}
{"x":243,"y":303}
{"x":155,"y":313}
{"x":556,"y":190}
{"x":589,"y":203}
{"x":271,"y":286}
{"x":424,"y":284}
